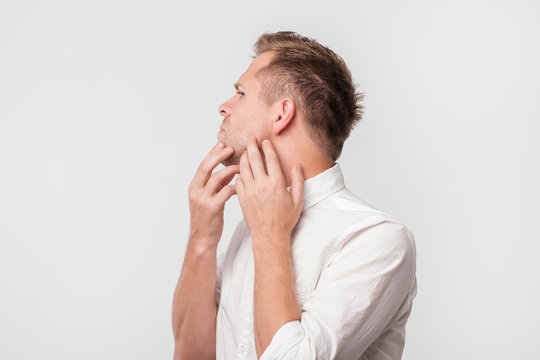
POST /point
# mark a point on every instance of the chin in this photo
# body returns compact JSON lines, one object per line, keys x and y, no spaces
{"x":233,"y":160}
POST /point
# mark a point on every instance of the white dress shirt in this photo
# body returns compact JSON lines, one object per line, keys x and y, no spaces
{"x":355,"y":282}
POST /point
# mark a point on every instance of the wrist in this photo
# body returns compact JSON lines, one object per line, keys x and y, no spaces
{"x":271,"y":241}
{"x":202,"y":245}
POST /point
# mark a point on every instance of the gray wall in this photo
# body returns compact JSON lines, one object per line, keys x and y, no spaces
{"x":106,"y":108}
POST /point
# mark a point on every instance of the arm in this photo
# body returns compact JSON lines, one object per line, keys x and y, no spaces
{"x":271,"y":212}
{"x":194,"y":306}
{"x":362,"y":291}
{"x":363,"y":296}
{"x":275,"y":301}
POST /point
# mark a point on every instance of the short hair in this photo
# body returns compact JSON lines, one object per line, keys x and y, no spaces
{"x":319,"y":82}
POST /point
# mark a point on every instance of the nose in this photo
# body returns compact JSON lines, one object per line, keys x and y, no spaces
{"x":224,"y":109}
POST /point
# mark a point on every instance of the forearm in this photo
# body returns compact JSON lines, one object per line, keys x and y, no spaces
{"x":271,"y":212}
{"x":275,"y":301}
{"x":194,"y":305}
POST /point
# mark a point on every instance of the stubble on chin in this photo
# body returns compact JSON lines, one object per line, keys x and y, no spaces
{"x":234,"y":159}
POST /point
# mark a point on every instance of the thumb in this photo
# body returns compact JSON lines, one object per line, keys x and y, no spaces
{"x":297,"y":186}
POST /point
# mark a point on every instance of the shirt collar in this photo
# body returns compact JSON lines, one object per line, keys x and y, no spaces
{"x":323,"y":185}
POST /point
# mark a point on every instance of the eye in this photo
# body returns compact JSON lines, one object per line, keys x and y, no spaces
{"x":241,"y":93}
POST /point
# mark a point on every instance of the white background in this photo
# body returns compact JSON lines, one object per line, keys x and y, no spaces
{"x":107,"y":107}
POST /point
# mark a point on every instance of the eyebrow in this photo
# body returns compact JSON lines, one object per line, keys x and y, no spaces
{"x":237,"y":86}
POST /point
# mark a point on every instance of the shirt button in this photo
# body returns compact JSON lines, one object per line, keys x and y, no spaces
{"x":242,"y":348}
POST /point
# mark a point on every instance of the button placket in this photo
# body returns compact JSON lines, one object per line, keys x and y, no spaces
{"x":247,"y":331}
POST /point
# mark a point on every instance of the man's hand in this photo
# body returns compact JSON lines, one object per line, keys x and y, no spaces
{"x":208,"y":193}
{"x":194,"y":304}
{"x":271,"y":212}
{"x":269,"y":209}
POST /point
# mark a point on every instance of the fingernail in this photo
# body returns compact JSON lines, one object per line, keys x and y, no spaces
{"x":298,"y":167}
{"x":265,"y":141}
{"x":220,"y":144}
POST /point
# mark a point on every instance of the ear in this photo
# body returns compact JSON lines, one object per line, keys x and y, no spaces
{"x":285,"y":111}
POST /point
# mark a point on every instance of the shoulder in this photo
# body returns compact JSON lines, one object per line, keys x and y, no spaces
{"x":388,"y":236}
{"x":365,"y":227}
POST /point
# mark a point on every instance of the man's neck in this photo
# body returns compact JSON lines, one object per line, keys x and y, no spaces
{"x":312,"y":160}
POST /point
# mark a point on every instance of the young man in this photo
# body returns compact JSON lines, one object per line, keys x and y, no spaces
{"x":312,"y":271}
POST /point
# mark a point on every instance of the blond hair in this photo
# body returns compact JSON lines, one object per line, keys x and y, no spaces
{"x":318,"y":80}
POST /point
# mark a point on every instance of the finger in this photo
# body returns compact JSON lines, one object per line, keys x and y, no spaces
{"x":272,"y":161}
{"x":254,"y":157}
{"x":239,"y":184}
{"x":221,"y":178}
{"x":297,"y":186}
{"x":225,"y":194}
{"x":219,"y":153}
{"x":245,"y":169}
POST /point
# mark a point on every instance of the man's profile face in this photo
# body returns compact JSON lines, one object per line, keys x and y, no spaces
{"x":245,"y":113}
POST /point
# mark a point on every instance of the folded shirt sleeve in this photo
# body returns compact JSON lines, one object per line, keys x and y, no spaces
{"x":356,"y":298}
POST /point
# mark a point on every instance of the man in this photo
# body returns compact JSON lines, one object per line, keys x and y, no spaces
{"x":312,"y":271}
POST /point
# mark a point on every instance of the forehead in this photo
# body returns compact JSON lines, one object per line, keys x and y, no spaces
{"x":257,"y":64}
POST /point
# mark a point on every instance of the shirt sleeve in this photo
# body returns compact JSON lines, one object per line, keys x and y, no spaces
{"x":356,"y":297}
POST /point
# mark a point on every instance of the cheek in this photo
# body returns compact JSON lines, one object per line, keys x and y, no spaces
{"x":264,"y":130}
